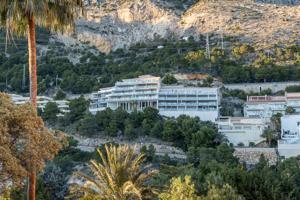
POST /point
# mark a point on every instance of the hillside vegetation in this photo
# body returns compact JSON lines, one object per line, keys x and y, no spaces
{"x":249,"y":42}
{"x":83,"y":69}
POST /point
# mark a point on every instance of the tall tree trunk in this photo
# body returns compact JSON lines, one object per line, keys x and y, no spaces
{"x":31,"y":186}
{"x":32,"y":60}
{"x":33,"y":92}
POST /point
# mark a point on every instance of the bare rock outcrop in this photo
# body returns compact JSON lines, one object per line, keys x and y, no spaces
{"x":264,"y":24}
{"x":119,"y":25}
{"x":113,"y":24}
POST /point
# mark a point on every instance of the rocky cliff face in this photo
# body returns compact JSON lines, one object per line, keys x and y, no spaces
{"x":113,"y":24}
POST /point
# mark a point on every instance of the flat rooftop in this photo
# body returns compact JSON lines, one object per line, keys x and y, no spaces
{"x":267,"y":99}
{"x":260,"y":99}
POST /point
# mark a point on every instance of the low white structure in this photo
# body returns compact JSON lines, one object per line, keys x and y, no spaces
{"x":264,"y":106}
{"x":42,"y":101}
{"x":242,"y":129}
{"x":267,"y":106}
{"x":289,"y":144}
{"x":258,"y":87}
{"x":171,"y":101}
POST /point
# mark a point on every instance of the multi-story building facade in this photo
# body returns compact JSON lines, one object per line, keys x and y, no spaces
{"x":129,"y":94}
{"x":99,"y":100}
{"x":242,"y":129}
{"x":171,"y":101}
{"x":193,"y":101}
{"x":267,"y":106}
{"x":42,"y":101}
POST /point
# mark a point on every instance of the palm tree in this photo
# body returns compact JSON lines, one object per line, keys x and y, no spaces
{"x":275,"y":119}
{"x":270,"y":135}
{"x":119,"y":176}
{"x":20,"y":17}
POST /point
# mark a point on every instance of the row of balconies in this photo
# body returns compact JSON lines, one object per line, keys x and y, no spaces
{"x":135,"y":87}
{"x":185,"y":108}
{"x":187,"y":98}
{"x":133,"y":93}
{"x":186,"y":95}
{"x":233,"y":127}
{"x":137,"y":82}
{"x":186,"y":104}
{"x":152,"y":98}
{"x":154,"y":91}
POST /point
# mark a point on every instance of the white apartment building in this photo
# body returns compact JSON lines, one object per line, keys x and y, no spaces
{"x":42,"y":101}
{"x":242,"y":129}
{"x":289,"y":144}
{"x":99,"y":100}
{"x":193,"y":101}
{"x":171,"y":101}
{"x":129,"y":94}
{"x":267,"y":106}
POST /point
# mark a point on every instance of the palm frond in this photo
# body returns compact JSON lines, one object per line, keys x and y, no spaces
{"x":120,"y":175}
{"x":56,"y":15}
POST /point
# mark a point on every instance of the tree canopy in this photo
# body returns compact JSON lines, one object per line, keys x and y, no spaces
{"x":24,"y":141}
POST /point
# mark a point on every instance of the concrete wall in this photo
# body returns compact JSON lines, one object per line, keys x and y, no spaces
{"x":288,"y":150}
{"x":257,"y":87}
{"x":243,"y":136}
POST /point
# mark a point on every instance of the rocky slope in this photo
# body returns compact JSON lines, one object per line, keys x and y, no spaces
{"x":113,"y":24}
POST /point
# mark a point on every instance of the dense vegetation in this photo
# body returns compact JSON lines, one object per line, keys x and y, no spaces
{"x":118,"y":122}
{"x":236,"y":63}
{"x":209,"y":170}
{"x":210,"y":164}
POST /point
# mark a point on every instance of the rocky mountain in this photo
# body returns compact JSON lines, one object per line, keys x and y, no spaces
{"x":113,"y":24}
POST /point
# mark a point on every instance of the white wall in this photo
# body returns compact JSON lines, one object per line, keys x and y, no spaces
{"x":290,"y":123}
{"x":288,"y":150}
{"x":245,"y":137}
{"x":257,"y":87}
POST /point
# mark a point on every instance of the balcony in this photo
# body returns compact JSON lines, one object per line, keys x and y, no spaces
{"x":128,"y":99}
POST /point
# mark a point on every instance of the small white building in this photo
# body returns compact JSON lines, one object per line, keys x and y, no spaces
{"x":264,"y":106}
{"x":171,"y":101}
{"x":267,"y":106}
{"x":42,"y":101}
{"x":289,"y":144}
{"x":242,"y":129}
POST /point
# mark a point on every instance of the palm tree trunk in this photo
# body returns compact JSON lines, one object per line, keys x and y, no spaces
{"x":32,"y":60}
{"x":33,"y":92}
